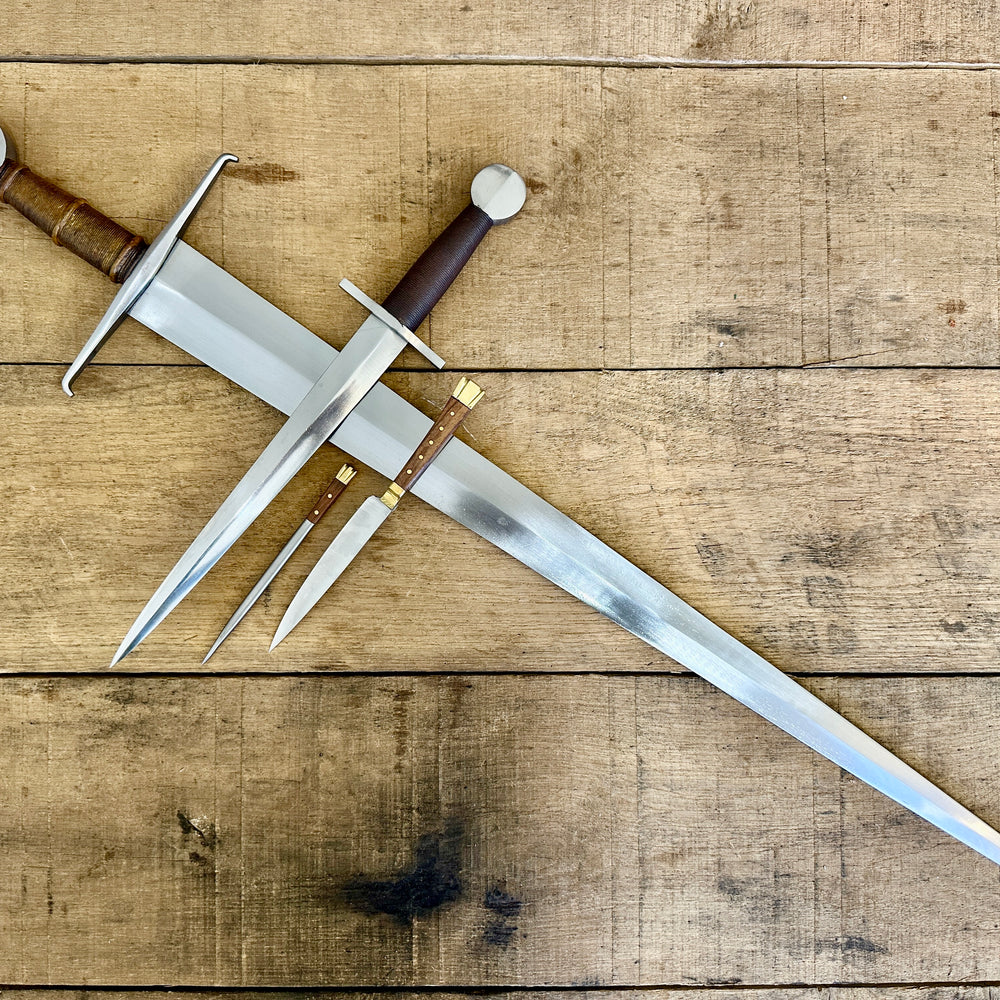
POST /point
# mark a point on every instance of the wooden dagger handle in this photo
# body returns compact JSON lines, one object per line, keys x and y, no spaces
{"x":331,"y":494}
{"x":464,"y":398}
{"x":71,"y":222}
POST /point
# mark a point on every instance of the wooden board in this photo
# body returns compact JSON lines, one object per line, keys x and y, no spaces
{"x":833,"y":520}
{"x":744,"y":330}
{"x":695,"y":219}
{"x":476,"y":831}
{"x":720,"y":31}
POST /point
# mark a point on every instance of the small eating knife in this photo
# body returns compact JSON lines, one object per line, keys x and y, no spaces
{"x":367,"y":518}
{"x":326,"y":500}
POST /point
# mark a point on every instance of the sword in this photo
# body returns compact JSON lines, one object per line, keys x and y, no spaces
{"x":219,"y":321}
{"x":371,"y":515}
{"x":497,"y":195}
{"x":324,"y":502}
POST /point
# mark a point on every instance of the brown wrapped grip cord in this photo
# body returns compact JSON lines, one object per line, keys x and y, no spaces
{"x":437,"y":267}
{"x":71,"y":222}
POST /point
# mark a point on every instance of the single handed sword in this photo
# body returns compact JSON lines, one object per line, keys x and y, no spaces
{"x":206,"y":312}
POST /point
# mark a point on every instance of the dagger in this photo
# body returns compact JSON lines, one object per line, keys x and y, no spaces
{"x":371,"y":515}
{"x":206,"y":312}
{"x":324,"y":502}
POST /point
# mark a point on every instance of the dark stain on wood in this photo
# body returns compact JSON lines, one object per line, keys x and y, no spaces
{"x":262,"y":173}
{"x":433,"y":880}
{"x":204,"y":834}
{"x":851,"y":943}
{"x":714,"y":556}
{"x":830,"y":549}
{"x":504,"y":908}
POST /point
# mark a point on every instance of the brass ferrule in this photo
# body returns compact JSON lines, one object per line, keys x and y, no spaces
{"x":392,"y":496}
{"x":468,"y":393}
{"x":346,"y":474}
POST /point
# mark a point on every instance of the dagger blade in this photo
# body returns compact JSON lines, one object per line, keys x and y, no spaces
{"x":340,"y":553}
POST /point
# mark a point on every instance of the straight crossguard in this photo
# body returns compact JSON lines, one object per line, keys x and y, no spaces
{"x":208,"y":313}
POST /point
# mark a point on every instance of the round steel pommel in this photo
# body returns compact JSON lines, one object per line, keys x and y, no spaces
{"x":499,"y":192}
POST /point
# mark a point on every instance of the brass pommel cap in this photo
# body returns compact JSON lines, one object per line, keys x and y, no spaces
{"x":346,"y":474}
{"x":468,"y":393}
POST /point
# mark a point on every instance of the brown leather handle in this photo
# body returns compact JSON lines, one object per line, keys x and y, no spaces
{"x":331,"y":494}
{"x":71,"y":222}
{"x":442,"y":431}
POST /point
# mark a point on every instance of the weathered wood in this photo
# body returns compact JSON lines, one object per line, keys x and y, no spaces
{"x":718,"y":31}
{"x":357,"y":831}
{"x":956,"y":992}
{"x":676,"y":218}
{"x":834,"y":520}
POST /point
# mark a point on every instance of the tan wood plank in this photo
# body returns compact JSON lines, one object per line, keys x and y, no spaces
{"x":505,"y":830}
{"x":834,"y":520}
{"x":676,"y":218}
{"x":957,"y":991}
{"x":723,"y":30}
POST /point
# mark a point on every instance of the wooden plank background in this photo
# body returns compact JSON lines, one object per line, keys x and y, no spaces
{"x":745,"y":330}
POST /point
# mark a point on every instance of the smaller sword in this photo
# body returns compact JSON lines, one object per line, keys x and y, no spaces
{"x":366,"y":520}
{"x":326,"y":500}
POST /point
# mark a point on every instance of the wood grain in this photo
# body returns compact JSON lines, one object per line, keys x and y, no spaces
{"x":834,"y":520}
{"x":675,"y":219}
{"x":465,"y":832}
{"x":924,"y":31}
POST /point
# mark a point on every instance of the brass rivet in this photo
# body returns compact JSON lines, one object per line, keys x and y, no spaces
{"x":453,"y":413}
{"x":440,"y":427}
{"x":420,"y":456}
{"x":315,"y":512}
{"x":329,"y":496}
{"x":409,"y":472}
{"x":429,"y":441}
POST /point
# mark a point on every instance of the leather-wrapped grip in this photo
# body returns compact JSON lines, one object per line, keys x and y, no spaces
{"x":438,"y":266}
{"x":71,"y":222}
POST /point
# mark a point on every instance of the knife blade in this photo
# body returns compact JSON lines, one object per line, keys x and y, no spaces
{"x":497,"y":195}
{"x":324,"y":502}
{"x":370,"y":516}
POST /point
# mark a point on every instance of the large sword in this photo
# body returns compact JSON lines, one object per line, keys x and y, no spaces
{"x":206,"y":312}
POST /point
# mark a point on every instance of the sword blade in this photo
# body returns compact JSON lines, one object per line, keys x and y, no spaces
{"x":262,"y":584}
{"x":340,"y":553}
{"x":208,"y":313}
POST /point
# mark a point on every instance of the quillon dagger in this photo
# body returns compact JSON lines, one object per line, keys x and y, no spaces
{"x":200,"y":308}
{"x":371,"y":515}
{"x":324,"y":502}
{"x":497,"y":195}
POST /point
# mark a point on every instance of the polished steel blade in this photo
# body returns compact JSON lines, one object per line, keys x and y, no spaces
{"x":220,"y":321}
{"x":350,"y":540}
{"x":341,"y":387}
{"x":261,"y":585}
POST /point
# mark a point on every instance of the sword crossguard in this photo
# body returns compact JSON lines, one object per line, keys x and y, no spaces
{"x":141,"y":277}
{"x":379,"y":312}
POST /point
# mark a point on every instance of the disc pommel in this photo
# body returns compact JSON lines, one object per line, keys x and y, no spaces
{"x":70,"y":221}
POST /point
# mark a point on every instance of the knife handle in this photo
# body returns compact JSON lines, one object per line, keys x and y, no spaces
{"x":331,"y":494}
{"x":497,"y":195}
{"x":71,"y":222}
{"x":462,"y":400}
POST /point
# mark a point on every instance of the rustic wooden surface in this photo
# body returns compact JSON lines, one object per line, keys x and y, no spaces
{"x":745,"y":330}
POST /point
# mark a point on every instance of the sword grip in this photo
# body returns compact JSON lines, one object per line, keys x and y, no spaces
{"x":497,"y":195}
{"x":71,"y":222}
